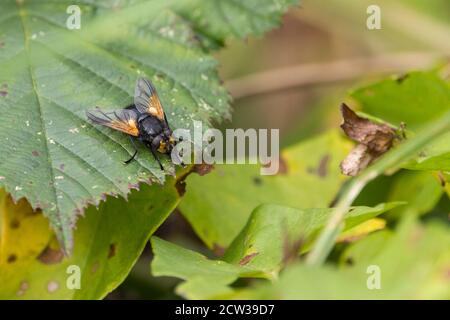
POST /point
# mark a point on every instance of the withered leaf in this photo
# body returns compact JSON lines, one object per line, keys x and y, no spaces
{"x":358,"y":159}
{"x":374,"y":140}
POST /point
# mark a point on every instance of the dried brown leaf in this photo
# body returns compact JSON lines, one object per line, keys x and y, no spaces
{"x":374,"y":140}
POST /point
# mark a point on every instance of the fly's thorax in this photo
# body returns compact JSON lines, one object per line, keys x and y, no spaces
{"x":150,"y":127}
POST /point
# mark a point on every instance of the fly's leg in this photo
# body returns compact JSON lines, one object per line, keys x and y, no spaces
{"x":135,"y":152}
{"x":152,"y":149}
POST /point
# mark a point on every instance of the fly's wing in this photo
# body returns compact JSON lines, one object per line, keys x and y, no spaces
{"x":124,"y":120}
{"x":146,"y":99}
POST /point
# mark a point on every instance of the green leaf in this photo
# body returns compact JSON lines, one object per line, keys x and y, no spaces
{"x":413,"y":264}
{"x":218,"y":205}
{"x":50,"y":76}
{"x":446,"y":181}
{"x":260,"y":250}
{"x":274,"y":234}
{"x":436,"y":156}
{"x":415,"y":99}
{"x":217,"y":20}
{"x":202,"y":276}
{"x":426,"y":189}
{"x":108,"y":242}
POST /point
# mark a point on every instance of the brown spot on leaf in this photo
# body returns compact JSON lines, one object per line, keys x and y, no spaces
{"x":402,"y":78}
{"x":257,"y":180}
{"x":202,"y":169}
{"x":180,"y":185}
{"x":422,"y":154}
{"x":349,"y":261}
{"x":322,"y":168}
{"x":14,"y":224}
{"x":35,"y":153}
{"x":61,"y":166}
{"x":12,"y":258}
{"x":95,"y":267}
{"x":245,"y":260}
{"x":282,"y":166}
{"x":218,"y":250}
{"x":2,"y":44}
{"x":374,"y":140}
{"x":441,"y":179}
{"x":3,"y":93}
{"x":51,"y":256}
{"x":291,"y":249}
{"x":112,"y":250}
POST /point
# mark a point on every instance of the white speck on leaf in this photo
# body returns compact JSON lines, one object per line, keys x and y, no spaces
{"x":52,"y":286}
{"x":74,"y":130}
{"x":17,"y":188}
{"x":23,"y":288}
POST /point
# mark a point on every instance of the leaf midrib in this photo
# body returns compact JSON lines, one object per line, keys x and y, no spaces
{"x":22,"y":14}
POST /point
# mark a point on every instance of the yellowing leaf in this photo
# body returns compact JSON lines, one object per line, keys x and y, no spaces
{"x":362,"y":230}
{"x":24,"y":233}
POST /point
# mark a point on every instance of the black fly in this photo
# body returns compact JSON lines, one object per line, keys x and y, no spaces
{"x":144,"y":120}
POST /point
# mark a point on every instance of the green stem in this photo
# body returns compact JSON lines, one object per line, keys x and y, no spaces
{"x":405,"y":151}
